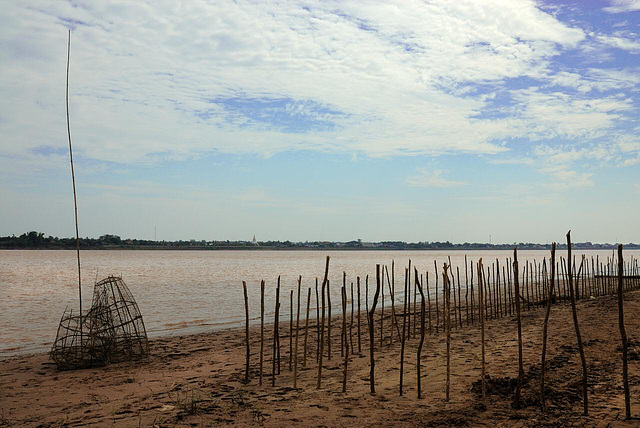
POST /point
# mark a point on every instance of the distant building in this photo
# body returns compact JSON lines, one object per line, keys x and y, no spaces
{"x":253,"y":241}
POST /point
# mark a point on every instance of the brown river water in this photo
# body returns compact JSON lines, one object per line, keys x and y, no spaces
{"x":181,"y":292}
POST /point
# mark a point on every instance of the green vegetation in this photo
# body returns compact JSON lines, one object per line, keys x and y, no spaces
{"x":37,"y":240}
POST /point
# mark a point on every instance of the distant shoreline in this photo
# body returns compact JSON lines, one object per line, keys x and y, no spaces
{"x":38,"y":241}
{"x":294,"y":248}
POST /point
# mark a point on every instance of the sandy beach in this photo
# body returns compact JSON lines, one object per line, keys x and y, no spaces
{"x":197,"y":380}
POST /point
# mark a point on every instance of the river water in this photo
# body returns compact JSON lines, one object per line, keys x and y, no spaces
{"x":181,"y":292}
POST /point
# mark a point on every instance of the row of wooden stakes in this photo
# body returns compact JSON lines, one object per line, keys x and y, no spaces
{"x":495,"y":296}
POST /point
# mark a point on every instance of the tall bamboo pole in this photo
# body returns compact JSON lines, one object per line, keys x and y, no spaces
{"x":75,"y":197}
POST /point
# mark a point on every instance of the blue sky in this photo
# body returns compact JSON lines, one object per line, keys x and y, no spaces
{"x":319,"y":120}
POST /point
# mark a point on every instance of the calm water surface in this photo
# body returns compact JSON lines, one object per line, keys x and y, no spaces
{"x":186,"y":291}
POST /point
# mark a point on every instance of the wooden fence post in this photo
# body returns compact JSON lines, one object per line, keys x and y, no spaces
{"x":545,"y":326}
{"x":623,"y":335}
{"x":577,"y":327}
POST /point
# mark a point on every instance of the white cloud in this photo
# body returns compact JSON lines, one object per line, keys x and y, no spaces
{"x":620,"y":42}
{"x":432,"y":178}
{"x":144,"y":75}
{"x":618,"y":6}
{"x":543,"y":115}
{"x":567,"y":179}
{"x":599,"y":79}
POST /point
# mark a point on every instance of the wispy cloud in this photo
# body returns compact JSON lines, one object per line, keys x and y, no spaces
{"x":619,"y":6}
{"x":432,"y":178}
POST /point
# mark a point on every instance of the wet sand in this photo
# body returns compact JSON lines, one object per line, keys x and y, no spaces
{"x":197,"y":380}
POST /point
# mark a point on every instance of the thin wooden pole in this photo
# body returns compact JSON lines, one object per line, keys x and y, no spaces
{"x":343,"y":332}
{"x":516,"y":399}
{"x":278,"y":323}
{"x":275,"y":335}
{"x":466,"y":287}
{"x":329,"y":320}
{"x":306,"y":330}
{"x":295,"y":354}
{"x":371,"y":336}
{"x":246,"y":310}
{"x":346,"y":342}
{"x":382,"y":310}
{"x":428,"y":299}
{"x":422,"y":329}
{"x":415,"y":299}
{"x":623,"y":336}
{"x":471,"y":283}
{"x":575,"y":323}
{"x":366,"y":299}
{"x":545,"y":327}
{"x":404,"y":330}
{"x":393,"y":310}
{"x":291,"y":330}
{"x":75,"y":197}
{"x":408,"y":296}
{"x":359,"y":310}
{"x":447,"y":298}
{"x":435,"y":266}
{"x":317,"y":323}
{"x":459,"y":298}
{"x":324,"y":283}
{"x":481,"y":316}
{"x":261,"y":328}
{"x":351,"y":322}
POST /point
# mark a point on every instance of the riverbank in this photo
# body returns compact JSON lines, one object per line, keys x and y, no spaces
{"x":197,"y":380}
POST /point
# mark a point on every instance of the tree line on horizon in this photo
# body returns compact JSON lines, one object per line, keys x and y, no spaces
{"x":38,"y":240}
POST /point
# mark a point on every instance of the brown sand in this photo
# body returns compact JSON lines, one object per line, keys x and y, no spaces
{"x":197,"y":380}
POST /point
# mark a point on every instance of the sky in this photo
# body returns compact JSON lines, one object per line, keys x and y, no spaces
{"x":320,"y":120}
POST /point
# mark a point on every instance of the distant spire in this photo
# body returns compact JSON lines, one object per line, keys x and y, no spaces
{"x":254,"y":242}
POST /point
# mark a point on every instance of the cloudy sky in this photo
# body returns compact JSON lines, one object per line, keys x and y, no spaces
{"x":319,"y":120}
